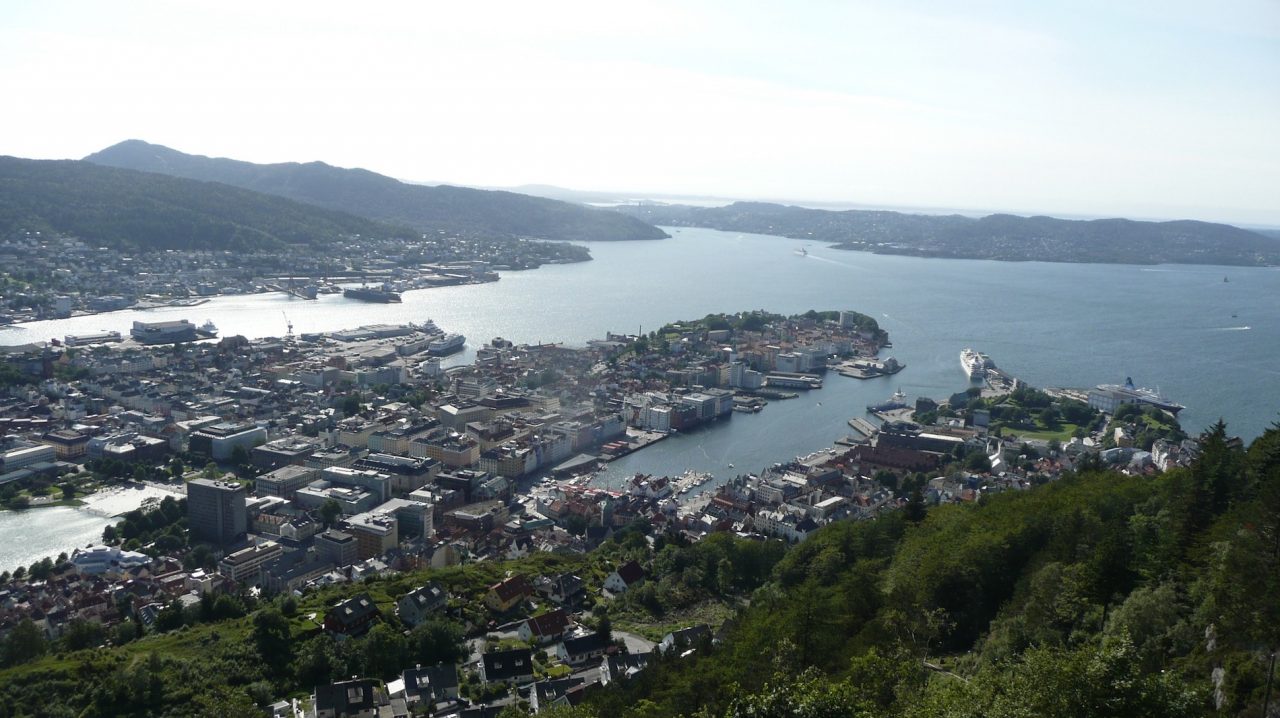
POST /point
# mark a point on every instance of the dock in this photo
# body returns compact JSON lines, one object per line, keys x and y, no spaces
{"x":862,"y":426}
{"x":869,"y":368}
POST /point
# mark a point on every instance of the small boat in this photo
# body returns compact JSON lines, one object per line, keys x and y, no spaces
{"x":802,"y":252}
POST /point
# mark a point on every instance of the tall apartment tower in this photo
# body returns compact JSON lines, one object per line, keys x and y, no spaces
{"x":216,"y":511}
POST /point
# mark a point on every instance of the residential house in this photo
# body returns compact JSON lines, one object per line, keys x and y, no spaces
{"x":684,"y":638}
{"x":513,"y":666}
{"x":566,"y":589}
{"x":579,"y":651}
{"x":352,"y":617}
{"x":356,"y":698}
{"x":505,"y":595}
{"x":622,"y":666}
{"x":626,"y":576}
{"x":556,"y":692}
{"x":430,"y":685}
{"x":546,"y":628}
{"x":415,"y":606}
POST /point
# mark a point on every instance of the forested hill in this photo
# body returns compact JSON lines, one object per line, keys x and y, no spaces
{"x":374,"y":196}
{"x":1097,"y":595}
{"x":128,"y":209}
{"x":997,"y":236}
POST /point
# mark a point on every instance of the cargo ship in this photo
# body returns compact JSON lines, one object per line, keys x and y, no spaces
{"x":897,"y":401}
{"x":382,"y":295}
{"x":446,"y":344}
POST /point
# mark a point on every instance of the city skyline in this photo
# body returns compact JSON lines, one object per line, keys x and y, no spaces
{"x":1145,"y":111}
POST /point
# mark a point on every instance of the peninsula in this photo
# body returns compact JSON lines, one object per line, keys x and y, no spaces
{"x":1002,"y":237}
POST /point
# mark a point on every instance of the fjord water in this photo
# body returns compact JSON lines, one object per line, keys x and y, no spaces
{"x":1207,"y":343}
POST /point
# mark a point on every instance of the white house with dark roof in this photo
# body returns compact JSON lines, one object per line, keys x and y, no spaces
{"x":419,"y":604}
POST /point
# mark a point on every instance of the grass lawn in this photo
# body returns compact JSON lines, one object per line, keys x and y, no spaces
{"x":1063,"y":433}
{"x":712,"y":613}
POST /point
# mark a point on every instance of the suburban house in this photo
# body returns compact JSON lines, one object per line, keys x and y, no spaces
{"x":352,"y":617}
{"x":505,"y":595}
{"x":356,"y":698}
{"x":622,"y":666}
{"x":513,"y":666}
{"x":626,"y":576}
{"x":546,"y":628}
{"x":684,"y":638}
{"x":577,"y":651}
{"x":564,"y":590}
{"x":555,"y":692}
{"x":430,"y":685}
{"x":415,"y":606}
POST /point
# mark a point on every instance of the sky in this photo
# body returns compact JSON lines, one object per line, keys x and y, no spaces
{"x":1165,"y":109}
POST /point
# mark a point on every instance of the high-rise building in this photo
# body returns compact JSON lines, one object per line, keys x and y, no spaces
{"x":216,"y":511}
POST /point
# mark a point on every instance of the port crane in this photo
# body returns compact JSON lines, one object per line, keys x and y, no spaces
{"x":289,"y":325}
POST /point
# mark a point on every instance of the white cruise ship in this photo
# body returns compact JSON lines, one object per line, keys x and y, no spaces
{"x":975,"y":364}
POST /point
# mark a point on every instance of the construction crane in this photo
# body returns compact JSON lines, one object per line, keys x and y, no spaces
{"x":288,"y":324}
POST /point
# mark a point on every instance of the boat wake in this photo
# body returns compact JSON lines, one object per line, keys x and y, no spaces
{"x":1231,"y":329}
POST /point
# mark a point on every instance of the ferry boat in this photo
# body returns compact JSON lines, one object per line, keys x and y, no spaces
{"x":975,"y":364}
{"x":382,"y":295}
{"x":447,"y":344}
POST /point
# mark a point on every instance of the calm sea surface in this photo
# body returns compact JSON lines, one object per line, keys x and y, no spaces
{"x":1208,"y":344}
{"x":30,"y":535}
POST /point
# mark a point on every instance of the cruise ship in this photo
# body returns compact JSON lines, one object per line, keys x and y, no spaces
{"x":446,"y":344}
{"x":975,"y":364}
{"x":383,"y":295}
{"x":1109,"y":397}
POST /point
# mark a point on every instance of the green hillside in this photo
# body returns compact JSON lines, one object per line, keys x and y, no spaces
{"x":374,"y":196}
{"x":129,"y":209}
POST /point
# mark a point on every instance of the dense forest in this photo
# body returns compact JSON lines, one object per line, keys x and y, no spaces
{"x":139,"y":210}
{"x":367,"y":194}
{"x":997,"y":236}
{"x":1100,"y":594}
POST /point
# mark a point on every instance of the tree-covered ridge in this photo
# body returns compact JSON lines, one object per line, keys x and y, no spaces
{"x":998,"y":236}
{"x":1098,"y":595}
{"x":367,"y":194}
{"x":138,"y":210}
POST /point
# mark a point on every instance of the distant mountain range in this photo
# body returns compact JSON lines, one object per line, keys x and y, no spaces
{"x":373,"y":196}
{"x":998,"y":236}
{"x":129,"y":209}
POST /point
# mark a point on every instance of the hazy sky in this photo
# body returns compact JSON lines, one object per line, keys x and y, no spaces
{"x":1144,"y":109}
